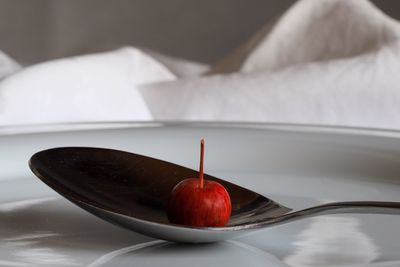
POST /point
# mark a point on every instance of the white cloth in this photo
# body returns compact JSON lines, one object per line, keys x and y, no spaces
{"x":97,"y":87}
{"x":324,"y":30}
{"x":91,"y":88}
{"x":7,"y":65}
{"x":181,"y":68}
{"x":331,"y":62}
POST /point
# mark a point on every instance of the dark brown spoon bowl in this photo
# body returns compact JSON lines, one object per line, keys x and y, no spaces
{"x":132,"y":190}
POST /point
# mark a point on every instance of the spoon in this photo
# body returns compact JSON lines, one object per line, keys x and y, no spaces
{"x":132,"y":190}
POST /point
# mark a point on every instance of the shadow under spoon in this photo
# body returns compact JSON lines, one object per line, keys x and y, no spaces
{"x":132,"y":190}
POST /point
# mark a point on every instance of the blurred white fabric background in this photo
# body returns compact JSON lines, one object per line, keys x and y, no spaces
{"x":330,"y":62}
{"x":7,"y":65}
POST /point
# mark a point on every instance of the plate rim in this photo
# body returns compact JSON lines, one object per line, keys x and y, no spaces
{"x":7,"y":130}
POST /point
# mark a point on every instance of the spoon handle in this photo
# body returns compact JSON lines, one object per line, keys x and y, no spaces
{"x":360,"y":207}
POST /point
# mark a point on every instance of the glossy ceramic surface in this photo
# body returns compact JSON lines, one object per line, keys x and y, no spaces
{"x":297,"y":166}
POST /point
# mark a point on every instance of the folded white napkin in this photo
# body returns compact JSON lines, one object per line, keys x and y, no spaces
{"x":332,"y":62}
{"x":7,"y":65}
{"x":97,"y":87}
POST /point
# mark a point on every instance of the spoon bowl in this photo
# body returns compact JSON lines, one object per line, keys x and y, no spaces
{"x":132,"y":191}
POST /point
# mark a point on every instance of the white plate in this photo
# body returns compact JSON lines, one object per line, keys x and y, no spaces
{"x":296,"y":165}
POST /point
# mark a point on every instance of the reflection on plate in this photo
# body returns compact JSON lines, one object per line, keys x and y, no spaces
{"x":51,"y":231}
{"x":39,"y":228}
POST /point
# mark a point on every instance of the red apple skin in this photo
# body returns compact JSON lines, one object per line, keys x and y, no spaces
{"x":191,"y":205}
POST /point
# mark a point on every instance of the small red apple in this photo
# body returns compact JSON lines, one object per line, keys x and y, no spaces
{"x":199,"y":202}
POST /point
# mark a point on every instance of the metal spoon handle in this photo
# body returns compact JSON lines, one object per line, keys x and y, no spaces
{"x":360,"y":207}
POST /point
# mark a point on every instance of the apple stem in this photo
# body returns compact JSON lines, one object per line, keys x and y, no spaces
{"x":201,"y":172}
